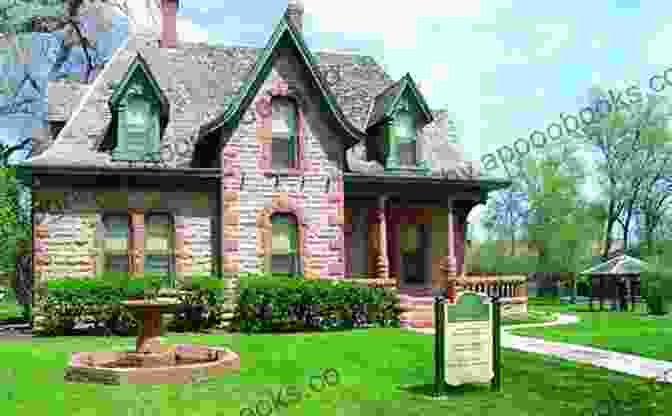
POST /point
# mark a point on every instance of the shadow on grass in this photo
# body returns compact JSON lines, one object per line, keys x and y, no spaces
{"x":427,"y":390}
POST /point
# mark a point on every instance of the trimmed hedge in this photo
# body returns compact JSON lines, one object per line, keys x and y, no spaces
{"x":270,"y":303}
{"x":67,"y":301}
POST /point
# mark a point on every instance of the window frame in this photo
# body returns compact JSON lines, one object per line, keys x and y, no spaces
{"x":297,"y":263}
{"x":292,"y":137}
{"x":406,"y":121}
{"x":172,"y":266}
{"x":104,"y":267}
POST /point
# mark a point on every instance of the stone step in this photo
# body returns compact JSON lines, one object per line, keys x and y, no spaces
{"x":417,"y":316}
{"x":424,"y":300}
{"x":416,"y":324}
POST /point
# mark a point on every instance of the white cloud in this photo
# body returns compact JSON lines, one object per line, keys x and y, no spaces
{"x":188,"y":31}
{"x":554,"y":36}
{"x":658,"y":48}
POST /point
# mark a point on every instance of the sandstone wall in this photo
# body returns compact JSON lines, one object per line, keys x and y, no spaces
{"x":304,"y":193}
{"x":68,"y":244}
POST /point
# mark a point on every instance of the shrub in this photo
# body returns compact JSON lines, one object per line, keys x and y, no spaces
{"x":66,"y":301}
{"x":269,"y":303}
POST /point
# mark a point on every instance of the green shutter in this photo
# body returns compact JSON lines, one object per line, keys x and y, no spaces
{"x":291,"y":124}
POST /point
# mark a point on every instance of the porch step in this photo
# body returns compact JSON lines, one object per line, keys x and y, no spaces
{"x":417,"y":323}
{"x":416,"y":300}
{"x":418,"y":306}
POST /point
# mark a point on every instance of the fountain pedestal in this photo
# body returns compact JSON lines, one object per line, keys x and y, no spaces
{"x":152,"y":362}
{"x":149,"y":314}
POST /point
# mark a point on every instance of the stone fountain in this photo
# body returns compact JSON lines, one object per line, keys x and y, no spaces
{"x":152,"y":362}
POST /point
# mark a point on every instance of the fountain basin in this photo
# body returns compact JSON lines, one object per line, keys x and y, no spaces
{"x":170,"y":364}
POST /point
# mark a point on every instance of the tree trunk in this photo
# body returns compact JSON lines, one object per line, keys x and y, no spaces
{"x":23,"y":282}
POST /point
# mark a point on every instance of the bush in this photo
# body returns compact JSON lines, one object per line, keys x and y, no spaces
{"x":269,"y":303}
{"x":201,"y":307}
{"x":67,"y":301}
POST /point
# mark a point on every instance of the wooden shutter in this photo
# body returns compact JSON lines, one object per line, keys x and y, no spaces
{"x":138,"y":125}
{"x":292,"y":136}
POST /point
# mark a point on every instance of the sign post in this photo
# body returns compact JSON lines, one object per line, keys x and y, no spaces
{"x":466,"y":342}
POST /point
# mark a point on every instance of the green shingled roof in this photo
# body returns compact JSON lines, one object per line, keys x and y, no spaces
{"x":618,"y":265}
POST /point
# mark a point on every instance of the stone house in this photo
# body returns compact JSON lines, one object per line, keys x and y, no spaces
{"x":185,"y":158}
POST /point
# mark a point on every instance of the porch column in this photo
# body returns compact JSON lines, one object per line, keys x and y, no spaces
{"x":449,"y":266}
{"x":137,"y":253}
{"x":394,"y":250}
{"x":378,"y":239}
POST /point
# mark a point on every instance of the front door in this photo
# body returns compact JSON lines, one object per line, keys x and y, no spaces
{"x":414,"y":245}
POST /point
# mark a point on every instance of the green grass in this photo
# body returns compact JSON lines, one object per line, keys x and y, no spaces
{"x":382,"y":372}
{"x":633,"y":332}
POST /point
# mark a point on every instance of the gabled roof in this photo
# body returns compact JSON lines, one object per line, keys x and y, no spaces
{"x":386,"y":102}
{"x":618,"y":266}
{"x":285,"y":33}
{"x":140,"y":65}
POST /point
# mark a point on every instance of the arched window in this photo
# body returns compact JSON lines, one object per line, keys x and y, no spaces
{"x":284,"y":258}
{"x":284,"y":152}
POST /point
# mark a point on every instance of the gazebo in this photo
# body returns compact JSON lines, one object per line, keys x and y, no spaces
{"x":616,"y":279}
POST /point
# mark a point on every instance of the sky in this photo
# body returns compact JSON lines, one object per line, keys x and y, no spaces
{"x":502,"y":68}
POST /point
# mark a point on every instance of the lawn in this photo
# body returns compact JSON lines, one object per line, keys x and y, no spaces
{"x":628,"y":332}
{"x":381,"y":372}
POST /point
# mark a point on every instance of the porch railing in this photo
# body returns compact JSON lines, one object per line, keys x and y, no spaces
{"x":513,"y":287}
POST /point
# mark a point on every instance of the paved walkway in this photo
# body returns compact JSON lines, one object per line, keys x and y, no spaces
{"x":624,"y":363}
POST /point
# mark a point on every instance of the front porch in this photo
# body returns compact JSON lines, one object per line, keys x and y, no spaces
{"x":409,"y":234}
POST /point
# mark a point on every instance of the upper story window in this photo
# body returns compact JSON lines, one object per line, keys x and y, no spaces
{"x":139,"y":109}
{"x":405,"y":129}
{"x":284,"y":152}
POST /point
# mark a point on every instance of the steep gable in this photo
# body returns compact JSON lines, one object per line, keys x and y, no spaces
{"x":285,"y":35}
{"x":387,"y":102}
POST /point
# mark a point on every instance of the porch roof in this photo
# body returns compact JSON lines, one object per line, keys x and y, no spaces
{"x":361,"y":184}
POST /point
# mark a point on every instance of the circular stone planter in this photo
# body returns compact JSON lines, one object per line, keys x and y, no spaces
{"x":152,"y":362}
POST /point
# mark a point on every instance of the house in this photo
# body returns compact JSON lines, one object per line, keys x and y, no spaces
{"x":185,"y":158}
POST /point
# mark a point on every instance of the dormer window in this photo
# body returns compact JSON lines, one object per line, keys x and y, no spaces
{"x":284,"y":152}
{"x":405,"y":135}
{"x":139,"y":133}
{"x":139,"y":109}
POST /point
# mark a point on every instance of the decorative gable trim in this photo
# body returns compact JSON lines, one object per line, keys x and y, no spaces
{"x":285,"y":31}
{"x":120,"y":88}
{"x":138,"y":82}
{"x":391,"y":97}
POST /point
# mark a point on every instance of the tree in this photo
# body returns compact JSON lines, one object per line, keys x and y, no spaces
{"x":37,"y":39}
{"x":620,"y":141}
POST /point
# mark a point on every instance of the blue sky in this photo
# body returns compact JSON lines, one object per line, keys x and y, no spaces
{"x":502,"y":68}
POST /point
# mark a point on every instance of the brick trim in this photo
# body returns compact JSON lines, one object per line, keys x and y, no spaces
{"x":282,"y":203}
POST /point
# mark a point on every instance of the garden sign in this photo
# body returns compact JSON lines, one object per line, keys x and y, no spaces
{"x":466,"y":341}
